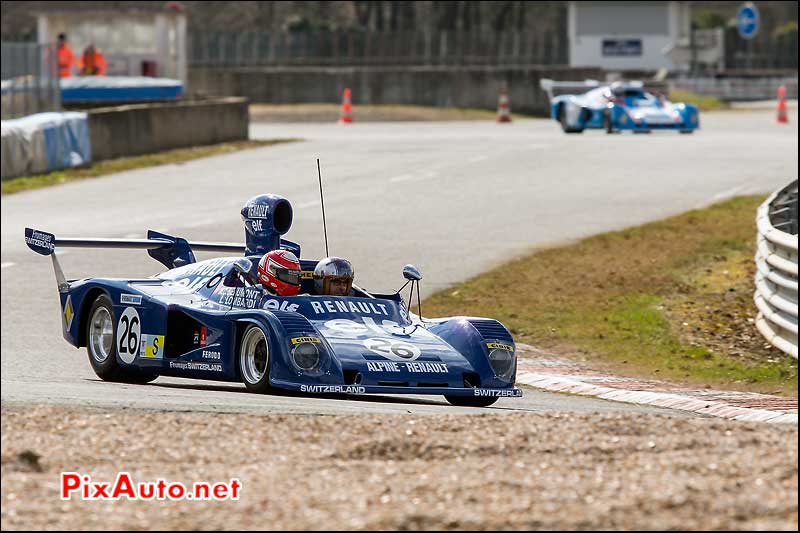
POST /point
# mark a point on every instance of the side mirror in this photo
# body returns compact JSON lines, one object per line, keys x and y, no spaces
{"x":243,"y":265}
{"x":411,"y":273}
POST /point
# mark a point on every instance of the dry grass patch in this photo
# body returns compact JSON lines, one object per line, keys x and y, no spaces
{"x":671,"y":299}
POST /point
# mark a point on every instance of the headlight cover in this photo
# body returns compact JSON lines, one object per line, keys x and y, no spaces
{"x":502,"y":362}
{"x":307,"y":357}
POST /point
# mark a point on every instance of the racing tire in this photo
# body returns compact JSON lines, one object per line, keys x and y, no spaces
{"x":101,"y":346}
{"x":253,"y":360}
{"x":562,"y":118}
{"x":686,"y":132}
{"x":471,"y":401}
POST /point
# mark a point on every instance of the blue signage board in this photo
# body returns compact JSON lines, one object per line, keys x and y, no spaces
{"x":622,"y":47}
{"x":747,"y":21}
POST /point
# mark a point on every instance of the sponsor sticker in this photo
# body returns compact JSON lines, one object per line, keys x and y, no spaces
{"x":130,"y":299}
{"x":69,"y":314}
{"x":152,"y":346}
{"x":306,"y":274}
{"x":298,"y":340}
{"x":258,"y":211}
{"x":497,"y":392}
{"x":191,"y":365}
{"x":280,"y":305}
{"x":321,"y":307}
{"x":499,"y":345}
{"x":331,"y":389}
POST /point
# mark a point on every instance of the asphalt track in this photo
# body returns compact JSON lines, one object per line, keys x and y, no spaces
{"x":453,"y":198}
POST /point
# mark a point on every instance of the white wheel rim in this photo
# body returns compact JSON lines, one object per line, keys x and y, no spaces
{"x":101,"y":334}
{"x":254,"y":355}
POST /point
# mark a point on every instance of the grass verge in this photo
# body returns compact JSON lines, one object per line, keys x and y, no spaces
{"x":101,"y":168}
{"x":367,"y":113}
{"x":668,"y":300}
{"x":703,"y":103}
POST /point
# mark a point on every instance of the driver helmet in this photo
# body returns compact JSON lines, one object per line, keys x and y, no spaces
{"x":279,"y":272}
{"x":333,"y":276}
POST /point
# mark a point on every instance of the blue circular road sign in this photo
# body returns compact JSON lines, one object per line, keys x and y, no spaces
{"x":747,"y":21}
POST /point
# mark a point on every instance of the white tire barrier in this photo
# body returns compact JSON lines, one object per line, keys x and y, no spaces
{"x":776,"y":269}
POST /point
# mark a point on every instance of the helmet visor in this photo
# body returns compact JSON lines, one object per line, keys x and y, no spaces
{"x":288,"y":275}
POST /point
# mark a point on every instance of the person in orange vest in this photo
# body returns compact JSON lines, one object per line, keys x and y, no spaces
{"x":66,"y":59}
{"x":92,"y":62}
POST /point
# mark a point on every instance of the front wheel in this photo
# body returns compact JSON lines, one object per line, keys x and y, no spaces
{"x":471,"y":401}
{"x":101,"y":345}
{"x":254,"y":360}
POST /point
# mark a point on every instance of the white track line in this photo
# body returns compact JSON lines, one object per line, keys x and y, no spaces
{"x":6,"y":265}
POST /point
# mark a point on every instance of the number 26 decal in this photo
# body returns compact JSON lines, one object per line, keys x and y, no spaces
{"x":128,"y":335}
{"x":392,"y":349}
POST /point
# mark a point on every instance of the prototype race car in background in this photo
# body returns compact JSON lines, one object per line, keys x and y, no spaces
{"x":212,"y":320}
{"x":617,"y":107}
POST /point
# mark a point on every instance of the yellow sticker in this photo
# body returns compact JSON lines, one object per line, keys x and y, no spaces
{"x":68,"y":313}
{"x":307,"y":274}
{"x":493,"y":345}
{"x":153,"y":346}
{"x":298,"y":340}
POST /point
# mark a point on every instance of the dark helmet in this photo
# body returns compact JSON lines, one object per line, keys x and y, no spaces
{"x":333,"y":269}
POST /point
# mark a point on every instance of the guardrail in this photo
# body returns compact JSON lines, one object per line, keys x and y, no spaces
{"x":776,"y":269}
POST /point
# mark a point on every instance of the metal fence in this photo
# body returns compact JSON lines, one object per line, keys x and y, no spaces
{"x":737,"y":88}
{"x":30,"y":81}
{"x":776,"y":269}
{"x":351,"y":47}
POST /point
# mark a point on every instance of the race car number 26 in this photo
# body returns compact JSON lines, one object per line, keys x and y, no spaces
{"x":128,"y":335}
{"x":392,"y":349}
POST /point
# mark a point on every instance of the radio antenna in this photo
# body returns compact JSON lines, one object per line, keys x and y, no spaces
{"x":322,"y":201}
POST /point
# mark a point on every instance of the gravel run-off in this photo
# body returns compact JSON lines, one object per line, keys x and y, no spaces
{"x":484,"y":471}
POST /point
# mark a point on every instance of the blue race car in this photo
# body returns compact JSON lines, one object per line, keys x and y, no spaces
{"x":212,"y":320}
{"x":618,"y":107}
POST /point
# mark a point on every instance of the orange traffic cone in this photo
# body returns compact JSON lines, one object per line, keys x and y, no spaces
{"x":347,"y":108}
{"x":783,"y":117}
{"x":503,"y":110}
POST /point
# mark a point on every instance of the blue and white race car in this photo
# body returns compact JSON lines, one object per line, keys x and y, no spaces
{"x":212,"y":320}
{"x":617,"y":107}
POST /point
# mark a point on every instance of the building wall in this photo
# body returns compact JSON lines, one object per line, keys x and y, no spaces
{"x":467,"y":87}
{"x":656,"y":25}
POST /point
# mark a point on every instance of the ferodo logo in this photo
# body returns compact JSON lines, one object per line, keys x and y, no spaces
{"x":299,"y":340}
{"x":500,"y":346}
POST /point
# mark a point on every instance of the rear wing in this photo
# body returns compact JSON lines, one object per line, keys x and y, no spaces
{"x":550,"y":86}
{"x":170,"y":251}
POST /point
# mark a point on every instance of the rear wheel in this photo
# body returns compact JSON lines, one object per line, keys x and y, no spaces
{"x":254,"y":360}
{"x":101,"y":345}
{"x":471,"y":401}
{"x":562,"y":118}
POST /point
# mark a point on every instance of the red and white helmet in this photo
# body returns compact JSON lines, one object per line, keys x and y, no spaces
{"x":279,"y":272}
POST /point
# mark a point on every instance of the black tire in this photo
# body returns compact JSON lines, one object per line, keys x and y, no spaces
{"x":253,"y":359}
{"x":471,"y":401}
{"x":562,"y":118}
{"x":103,"y":357}
{"x":687,"y":132}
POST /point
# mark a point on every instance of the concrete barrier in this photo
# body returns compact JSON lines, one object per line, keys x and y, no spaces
{"x":441,"y":86}
{"x":146,"y":128}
